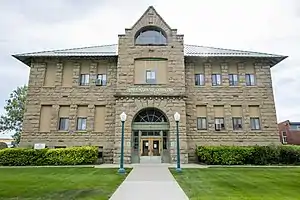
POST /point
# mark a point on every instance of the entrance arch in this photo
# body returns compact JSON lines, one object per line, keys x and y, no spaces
{"x":150,"y":136}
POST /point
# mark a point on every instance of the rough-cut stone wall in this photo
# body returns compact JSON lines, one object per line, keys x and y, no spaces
{"x":179,"y":95}
{"x":132,"y":105}
{"x":127,"y":53}
{"x":261,"y":94}
{"x":73,"y":96}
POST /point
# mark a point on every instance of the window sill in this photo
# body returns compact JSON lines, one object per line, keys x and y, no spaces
{"x":62,"y":131}
{"x":238,"y":131}
{"x":152,"y":45}
{"x":257,"y":130}
{"x":221,"y":131}
{"x":154,"y":84}
{"x":202,"y":130}
{"x":44,"y":86}
{"x":81,"y":131}
{"x":199,"y":86}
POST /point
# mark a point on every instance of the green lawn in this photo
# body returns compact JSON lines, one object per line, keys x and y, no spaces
{"x":58,"y":183}
{"x":240,"y":183}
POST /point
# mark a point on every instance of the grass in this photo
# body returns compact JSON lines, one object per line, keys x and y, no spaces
{"x":240,"y":183}
{"x":58,"y":183}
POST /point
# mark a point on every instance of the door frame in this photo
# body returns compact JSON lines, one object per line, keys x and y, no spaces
{"x":150,"y":145}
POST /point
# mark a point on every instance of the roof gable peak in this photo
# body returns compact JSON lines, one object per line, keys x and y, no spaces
{"x":148,"y":18}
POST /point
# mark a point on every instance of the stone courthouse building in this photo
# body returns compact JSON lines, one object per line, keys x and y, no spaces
{"x":76,"y":96}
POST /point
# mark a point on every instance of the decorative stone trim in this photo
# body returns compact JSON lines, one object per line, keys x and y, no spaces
{"x":150,"y":97}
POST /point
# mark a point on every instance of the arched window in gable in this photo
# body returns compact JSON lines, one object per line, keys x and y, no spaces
{"x":150,"y":36}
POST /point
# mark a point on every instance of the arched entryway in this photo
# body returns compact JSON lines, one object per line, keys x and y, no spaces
{"x":150,"y":137}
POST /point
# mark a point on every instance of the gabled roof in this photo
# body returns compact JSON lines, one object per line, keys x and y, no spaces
{"x":151,"y":8}
{"x":112,"y":50}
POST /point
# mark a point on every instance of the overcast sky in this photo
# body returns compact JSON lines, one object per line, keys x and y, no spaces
{"x":271,"y":26}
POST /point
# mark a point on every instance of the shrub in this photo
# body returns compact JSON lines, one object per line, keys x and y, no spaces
{"x":34,"y":157}
{"x":255,"y":155}
{"x":3,"y":145}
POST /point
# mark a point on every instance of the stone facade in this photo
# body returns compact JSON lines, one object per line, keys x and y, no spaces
{"x":179,"y":95}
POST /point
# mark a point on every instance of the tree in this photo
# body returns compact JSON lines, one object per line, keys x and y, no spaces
{"x":12,"y":120}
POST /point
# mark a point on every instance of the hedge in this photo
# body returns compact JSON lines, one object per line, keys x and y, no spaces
{"x":249,"y":155}
{"x":34,"y":157}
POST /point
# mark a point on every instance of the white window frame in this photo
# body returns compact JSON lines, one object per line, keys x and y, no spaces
{"x":255,"y":123}
{"x":284,"y":137}
{"x":201,"y":123}
{"x":101,"y":80}
{"x":216,"y":79}
{"x":233,"y":79}
{"x":237,"y":126}
{"x":250,"y":79}
{"x":81,"y":123}
{"x":84,"y":79}
{"x":150,"y":76}
{"x":64,"y":127}
{"x":219,"y":123}
{"x":199,"y":79}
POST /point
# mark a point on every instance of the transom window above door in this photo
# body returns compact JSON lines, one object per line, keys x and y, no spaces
{"x":150,"y":115}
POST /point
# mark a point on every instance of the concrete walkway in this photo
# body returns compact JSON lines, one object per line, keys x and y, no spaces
{"x":149,"y":182}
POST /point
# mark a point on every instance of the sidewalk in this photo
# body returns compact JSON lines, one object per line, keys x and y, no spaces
{"x":149,"y":182}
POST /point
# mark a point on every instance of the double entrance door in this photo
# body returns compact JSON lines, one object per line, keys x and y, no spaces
{"x":150,"y":147}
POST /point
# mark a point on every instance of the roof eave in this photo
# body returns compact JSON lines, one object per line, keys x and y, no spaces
{"x":27,"y":59}
{"x":279,"y":59}
{"x":23,"y":59}
{"x":273,"y":60}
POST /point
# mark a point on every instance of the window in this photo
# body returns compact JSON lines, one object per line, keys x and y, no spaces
{"x":216,"y":79}
{"x":199,"y":79}
{"x":63,"y":124}
{"x":237,"y":123}
{"x":255,"y":123}
{"x":59,"y":147}
{"x":233,"y":79}
{"x":250,"y":79}
{"x":201,"y":123}
{"x":84,"y":79}
{"x":219,"y":124}
{"x":151,"y":36}
{"x":284,"y":137}
{"x":81,"y":124}
{"x":101,"y":80}
{"x":150,"y":76}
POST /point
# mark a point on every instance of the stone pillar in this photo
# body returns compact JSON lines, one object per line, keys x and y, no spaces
{"x":91,"y":118}
{"x":59,"y":74}
{"x":224,"y":71}
{"x":228,"y":117}
{"x":93,"y":73}
{"x":76,"y":74}
{"x":210,"y":118}
{"x":207,"y":72}
{"x":72,"y":118}
{"x":54,"y":118}
{"x":246,"y":118}
{"x":241,"y":71}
